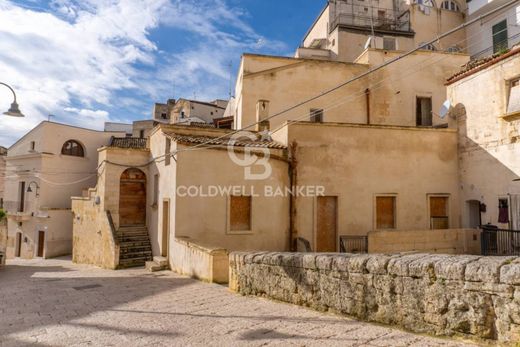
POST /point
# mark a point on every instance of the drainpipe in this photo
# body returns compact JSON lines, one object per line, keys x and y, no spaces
{"x":367,"y":94}
{"x":292,"y":201}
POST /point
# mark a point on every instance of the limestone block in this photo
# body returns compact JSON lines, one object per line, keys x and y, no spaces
{"x":486,"y":269}
{"x":454,"y":267}
{"x":510,"y":273}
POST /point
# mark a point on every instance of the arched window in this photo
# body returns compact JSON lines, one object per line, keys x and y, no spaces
{"x":450,"y":5}
{"x":428,"y":3}
{"x":73,"y":148}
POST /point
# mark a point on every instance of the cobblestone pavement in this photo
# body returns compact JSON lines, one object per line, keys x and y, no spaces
{"x":57,"y":303}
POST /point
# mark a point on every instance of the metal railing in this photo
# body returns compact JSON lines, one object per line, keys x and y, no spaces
{"x":112,"y":228}
{"x":353,"y":244}
{"x":496,"y":241}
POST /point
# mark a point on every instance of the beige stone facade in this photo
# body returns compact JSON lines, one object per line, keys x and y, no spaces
{"x":488,"y":141}
{"x":46,"y":167}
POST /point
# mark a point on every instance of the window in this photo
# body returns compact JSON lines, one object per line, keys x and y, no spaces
{"x":164,"y":116}
{"x":389,"y":43}
{"x":182,"y":114}
{"x":167,"y":150}
{"x":32,"y":145}
{"x":21,"y":196}
{"x":450,"y":5}
{"x":141,"y":134}
{"x":503,"y":211}
{"x":72,"y":148}
{"x":424,"y":111}
{"x":500,"y":36}
{"x":155,"y":190}
{"x":240,"y":213}
{"x":428,"y":3}
{"x":385,"y":212}
{"x":439,"y":216}
{"x":513,"y":103}
{"x":316,"y":115}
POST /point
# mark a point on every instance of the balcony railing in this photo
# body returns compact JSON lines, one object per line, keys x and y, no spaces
{"x":386,"y":19}
{"x":500,"y":242}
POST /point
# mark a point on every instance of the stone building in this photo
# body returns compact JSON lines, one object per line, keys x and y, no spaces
{"x":45,"y":168}
{"x":382,"y":158}
{"x":345,"y":28}
{"x":486,"y":100}
{"x":497,"y":34}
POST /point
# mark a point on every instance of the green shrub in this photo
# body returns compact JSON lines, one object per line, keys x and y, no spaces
{"x":2,"y":214}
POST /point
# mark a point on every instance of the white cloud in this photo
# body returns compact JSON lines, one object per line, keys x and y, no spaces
{"x":74,"y":59}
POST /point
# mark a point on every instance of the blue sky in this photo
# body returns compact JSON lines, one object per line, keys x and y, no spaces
{"x":91,"y":61}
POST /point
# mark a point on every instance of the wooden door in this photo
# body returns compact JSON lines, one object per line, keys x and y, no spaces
{"x":132,"y":198}
{"x":41,"y":243}
{"x":165,"y":228}
{"x":327,"y":219}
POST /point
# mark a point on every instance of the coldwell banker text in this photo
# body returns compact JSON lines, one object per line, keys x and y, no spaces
{"x":266,"y":191}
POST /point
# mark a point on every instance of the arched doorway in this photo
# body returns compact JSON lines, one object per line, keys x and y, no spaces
{"x":132,"y":198}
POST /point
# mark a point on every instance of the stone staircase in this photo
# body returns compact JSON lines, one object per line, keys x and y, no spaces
{"x":135,"y":248}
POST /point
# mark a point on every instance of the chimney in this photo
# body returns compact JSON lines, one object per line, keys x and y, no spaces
{"x":262,"y":113}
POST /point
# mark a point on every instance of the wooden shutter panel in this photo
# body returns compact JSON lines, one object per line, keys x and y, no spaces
{"x":385,"y":212}
{"x":240,"y":213}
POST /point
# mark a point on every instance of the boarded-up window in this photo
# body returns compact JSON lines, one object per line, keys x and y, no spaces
{"x":424,"y":112}
{"x":389,"y":43}
{"x":439,"y":218}
{"x":385,"y":212}
{"x":167,"y":150}
{"x":240,"y":213}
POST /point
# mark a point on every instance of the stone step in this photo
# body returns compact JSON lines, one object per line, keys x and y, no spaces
{"x":136,"y":255}
{"x":130,"y":249}
{"x":153,"y":266}
{"x":130,"y":244}
{"x":134,"y":238}
{"x":134,"y":262}
{"x":162,"y":261}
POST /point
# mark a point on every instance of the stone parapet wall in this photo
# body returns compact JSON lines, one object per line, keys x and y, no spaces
{"x":195,"y":259}
{"x":447,"y":241}
{"x":473,"y":296}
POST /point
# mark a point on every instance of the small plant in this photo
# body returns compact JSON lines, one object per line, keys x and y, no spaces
{"x":2,"y":215}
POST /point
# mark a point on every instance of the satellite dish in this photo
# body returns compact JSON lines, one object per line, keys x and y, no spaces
{"x":369,"y":41}
{"x":445,"y":108}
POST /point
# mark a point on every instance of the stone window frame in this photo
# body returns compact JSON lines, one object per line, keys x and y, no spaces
{"x":228,"y":216}
{"x":509,"y":84}
{"x":396,"y":211}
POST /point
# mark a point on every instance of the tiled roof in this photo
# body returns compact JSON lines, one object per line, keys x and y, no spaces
{"x":480,"y":64}
{"x":128,"y":142}
{"x":209,"y":141}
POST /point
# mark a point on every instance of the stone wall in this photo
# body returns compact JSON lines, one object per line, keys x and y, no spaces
{"x":473,"y":296}
{"x":200,"y":261}
{"x":92,"y":238}
{"x":448,"y":241}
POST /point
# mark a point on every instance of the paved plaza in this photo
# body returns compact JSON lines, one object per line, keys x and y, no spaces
{"x":57,"y":303}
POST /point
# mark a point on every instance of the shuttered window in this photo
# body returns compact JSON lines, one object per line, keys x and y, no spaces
{"x":240,"y":213}
{"x":385,"y":212}
{"x":439,"y":218}
{"x":499,"y":36}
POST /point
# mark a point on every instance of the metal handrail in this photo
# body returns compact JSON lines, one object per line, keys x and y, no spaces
{"x":112,"y":228}
{"x":499,"y":242}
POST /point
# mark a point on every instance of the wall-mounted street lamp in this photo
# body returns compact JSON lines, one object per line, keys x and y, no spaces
{"x":14,"y":110}
{"x":37,"y":187}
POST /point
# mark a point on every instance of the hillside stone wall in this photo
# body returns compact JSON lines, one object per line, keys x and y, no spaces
{"x":473,"y":296}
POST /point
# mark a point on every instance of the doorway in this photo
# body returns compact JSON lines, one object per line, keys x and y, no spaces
{"x":41,"y":243}
{"x":326,"y":226}
{"x":18,"y":246}
{"x":132,"y":198}
{"x":474,"y":215}
{"x":165,"y":244}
